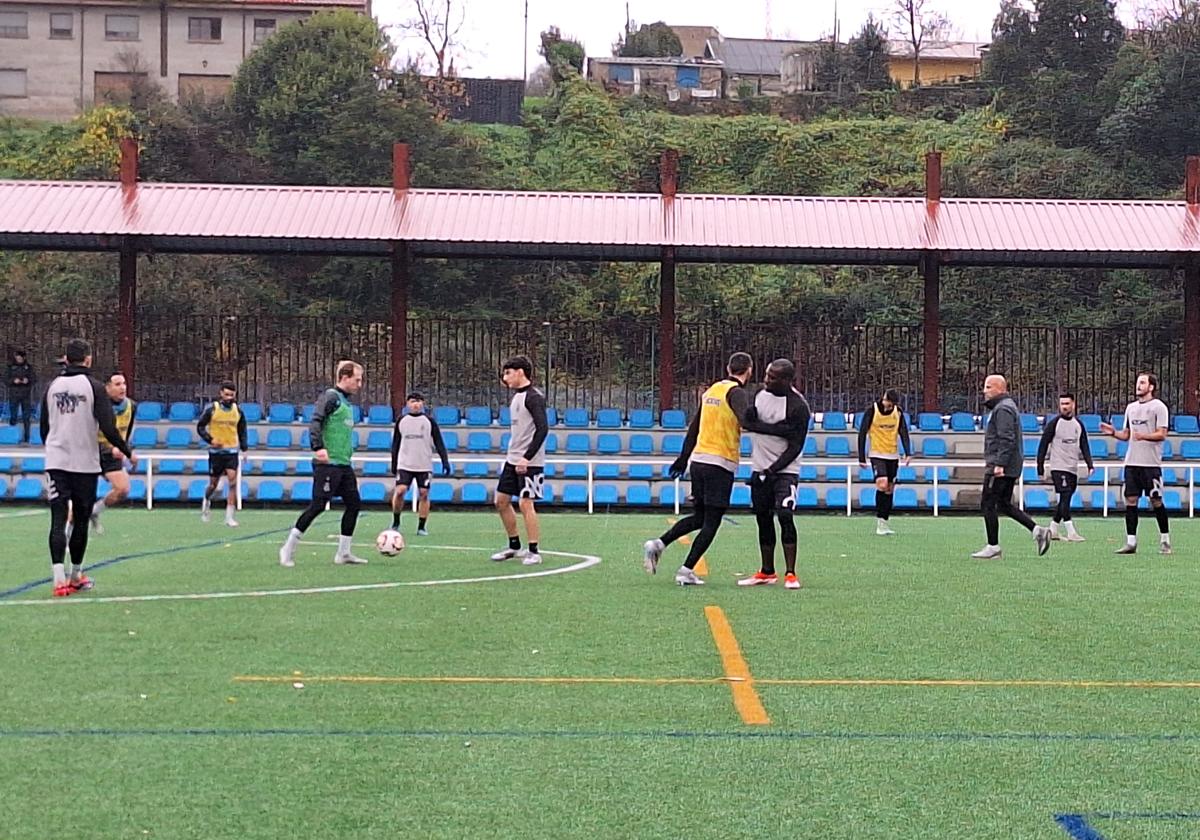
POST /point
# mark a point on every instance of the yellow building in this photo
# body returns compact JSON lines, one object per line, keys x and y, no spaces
{"x":941,"y":62}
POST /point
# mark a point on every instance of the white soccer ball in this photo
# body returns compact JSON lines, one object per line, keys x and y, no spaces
{"x":389,"y":542}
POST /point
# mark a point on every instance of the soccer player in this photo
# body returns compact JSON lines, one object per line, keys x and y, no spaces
{"x":1146,"y":425}
{"x":1003,"y":460}
{"x":75,"y":408}
{"x":884,"y":424}
{"x":522,"y":475}
{"x":332,"y":439}
{"x":414,"y":438}
{"x":223,"y":427}
{"x":114,"y":471}
{"x":1066,"y":440}
{"x":776,"y":462}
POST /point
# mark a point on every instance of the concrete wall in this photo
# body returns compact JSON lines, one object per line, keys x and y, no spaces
{"x":655,"y":79}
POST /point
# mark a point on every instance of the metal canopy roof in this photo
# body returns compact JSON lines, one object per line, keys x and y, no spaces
{"x":216,"y":218}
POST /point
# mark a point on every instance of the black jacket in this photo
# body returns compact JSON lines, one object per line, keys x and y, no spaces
{"x":23,"y":371}
{"x":1002,"y":442}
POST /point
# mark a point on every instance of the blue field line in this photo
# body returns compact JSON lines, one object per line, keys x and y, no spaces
{"x":1080,"y":827}
{"x":669,"y":734}
{"x":1133,"y":815}
{"x":161,"y":552}
{"x":1077,"y":827}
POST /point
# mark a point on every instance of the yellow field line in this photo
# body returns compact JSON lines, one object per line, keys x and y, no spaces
{"x":984,"y":683}
{"x":745,"y":698}
{"x":400,"y":680}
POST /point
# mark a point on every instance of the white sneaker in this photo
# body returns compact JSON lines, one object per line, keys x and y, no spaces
{"x":530,"y":558}
{"x":988,"y":552}
{"x":1054,"y":532}
{"x":506,"y":554}
{"x":205,"y":511}
{"x":231,"y":522}
{"x":883,"y":529}
{"x":349,"y":560}
{"x":688,"y":577}
{"x":1165,"y":548}
{"x":1041,"y":538}
{"x":285,"y":556}
{"x":97,"y":528}
{"x":1074,"y":536}
{"x":652,"y":552}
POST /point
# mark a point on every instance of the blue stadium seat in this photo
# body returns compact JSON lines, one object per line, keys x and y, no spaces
{"x":1029,"y":447}
{"x":281,"y":413}
{"x":252,"y":438}
{"x":1029,"y":423}
{"x":905,"y":498}
{"x":666,"y":494}
{"x":574,"y":494}
{"x":1037,"y":499}
{"x":1096,"y":501}
{"x":641,"y":418}
{"x":608,"y":444}
{"x":808,"y":472}
{"x":451,"y":441}
{"x":28,"y":489}
{"x":673,"y":418}
{"x":607,"y":471}
{"x":1117,"y":421}
{"x":962,"y":421}
{"x":551,"y":416}
{"x":505,"y":418}
{"x":474,"y":494}
{"x":907,"y":475}
{"x":746,"y":446}
{"x":1090,"y":423}
{"x":306,"y":412}
{"x":35,"y":464}
{"x":182,"y":412}
{"x":252,"y":412}
{"x":934,"y":448}
{"x":1122,"y":448}
{"x":608,"y":418}
{"x":6,"y":465}
{"x":270,"y":491}
{"x":479,"y":442}
{"x":605,"y":494}
{"x":35,"y":436}
{"x":441,"y":493}
{"x":641,"y":472}
{"x":806,"y":498}
{"x":575,"y":418}
{"x":943,"y":498}
{"x":274,"y":467}
{"x":3,"y":481}
{"x":740,"y":497}
{"x":379,"y":441}
{"x":929,"y":421}
{"x":356,"y":412}
{"x":506,"y":438}
{"x":810,"y":447}
{"x":1171,"y":477}
{"x":547,"y":494}
{"x":149,"y":412}
{"x":1029,"y":475}
{"x":1172,"y":500}
{"x":137,"y":490}
{"x":575,"y":470}
{"x":743,"y":472}
{"x":380,"y":415}
{"x":278,"y":439}
{"x":836,"y":498}
{"x":304,"y":466}
{"x":373,"y":492}
{"x":551,"y":444}
{"x":1077,"y":501}
{"x":943,"y":474}
{"x":1098,"y":447}
{"x":578,"y":444}
{"x":144,"y":437}
{"x":179,"y":438}
{"x":833,"y":421}
{"x":376,"y":469}
{"x":1185,"y":424}
{"x":479,"y":415}
{"x":1168,"y":451}
{"x":638,"y":494}
{"x":865,"y":474}
{"x":1189,"y":450}
{"x":301,"y":492}
{"x":641,"y":444}
{"x":866,"y":497}
{"x":10,"y":436}
{"x":475,"y":469}
{"x":167,"y":490}
{"x":169,"y":466}
{"x":447,"y":415}
{"x":837,"y":473}
{"x":196,"y":489}
{"x":837,"y":447}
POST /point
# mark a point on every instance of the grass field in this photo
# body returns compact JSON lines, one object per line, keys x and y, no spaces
{"x":132,"y":719}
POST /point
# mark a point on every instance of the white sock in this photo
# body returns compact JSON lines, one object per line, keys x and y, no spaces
{"x":76,"y":571}
{"x":98,"y":508}
{"x":1131,"y":540}
{"x":993,"y":548}
{"x":1165,"y":539}
{"x":229,"y":511}
{"x":1071,"y":527}
{"x":60,"y":574}
{"x":293,"y":538}
{"x":344,"y":545}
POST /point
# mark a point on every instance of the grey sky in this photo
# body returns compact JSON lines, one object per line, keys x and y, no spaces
{"x":493,"y":34}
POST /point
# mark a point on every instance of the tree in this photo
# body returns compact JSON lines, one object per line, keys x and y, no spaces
{"x":1012,"y":56}
{"x":919,"y":24}
{"x":540,"y":81}
{"x":653,"y":40}
{"x":867,"y":57}
{"x":438,"y":23}
{"x":564,"y":55}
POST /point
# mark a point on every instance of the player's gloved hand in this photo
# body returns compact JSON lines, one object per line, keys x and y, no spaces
{"x":446,"y":470}
{"x":677,"y":469}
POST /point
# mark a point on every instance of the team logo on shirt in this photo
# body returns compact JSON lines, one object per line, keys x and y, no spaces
{"x":66,"y":402}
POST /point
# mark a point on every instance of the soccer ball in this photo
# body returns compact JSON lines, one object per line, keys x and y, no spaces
{"x":389,"y":542}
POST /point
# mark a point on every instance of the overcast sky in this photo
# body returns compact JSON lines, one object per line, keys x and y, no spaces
{"x":493,"y":34}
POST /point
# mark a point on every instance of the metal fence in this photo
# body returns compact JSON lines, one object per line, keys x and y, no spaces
{"x":597,"y":364}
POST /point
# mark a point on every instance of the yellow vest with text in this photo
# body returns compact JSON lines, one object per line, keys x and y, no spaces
{"x":720,"y":433}
{"x":885,"y":433}
{"x":124,"y":417}
{"x":223,"y":426}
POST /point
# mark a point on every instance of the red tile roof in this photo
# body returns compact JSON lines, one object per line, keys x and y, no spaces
{"x":239,"y":218}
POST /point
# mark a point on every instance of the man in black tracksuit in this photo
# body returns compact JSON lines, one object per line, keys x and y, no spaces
{"x":1003,"y":459}
{"x":20,"y":380}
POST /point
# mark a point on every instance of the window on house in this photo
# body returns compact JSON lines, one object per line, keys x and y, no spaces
{"x":264,"y":28}
{"x":62,"y":25}
{"x":204,"y":29}
{"x":115,"y":86}
{"x":13,"y":84}
{"x":121,"y":27}
{"x":197,"y":86}
{"x":687,"y":77}
{"x":620,"y":73}
{"x":14,"y":24}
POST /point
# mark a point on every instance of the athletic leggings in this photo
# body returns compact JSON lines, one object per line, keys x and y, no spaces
{"x":997,"y":501}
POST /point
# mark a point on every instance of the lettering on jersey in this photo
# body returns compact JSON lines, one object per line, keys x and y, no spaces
{"x":67,"y":403}
{"x":713,"y":401}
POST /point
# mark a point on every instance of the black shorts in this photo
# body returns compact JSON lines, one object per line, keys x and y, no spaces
{"x":331,"y":481}
{"x":885,"y":468}
{"x":406,"y":478}
{"x":1064,"y":482}
{"x":711,"y":486}
{"x":107,"y":462}
{"x":77,"y":488}
{"x":998,"y":488}
{"x":527,"y":486}
{"x":777,"y":493}
{"x":1143,"y":481}
{"x":219,"y":462}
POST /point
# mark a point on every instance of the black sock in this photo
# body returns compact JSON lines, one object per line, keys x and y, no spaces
{"x":514,"y":543}
{"x":395,"y":521}
{"x":1131,"y":520}
{"x":1164,"y":524}
{"x":421,"y":523}
{"x":533,"y":548}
